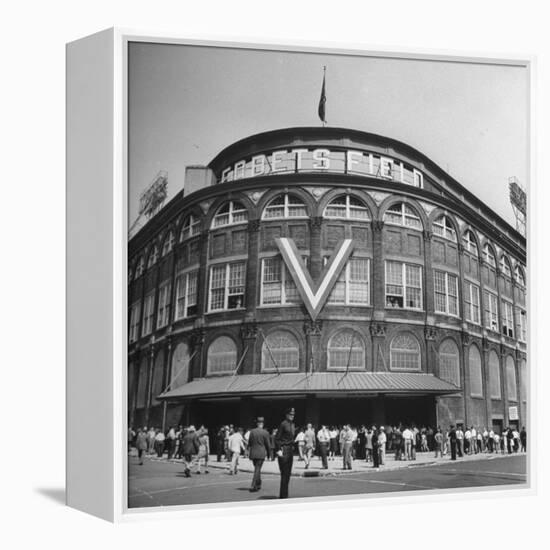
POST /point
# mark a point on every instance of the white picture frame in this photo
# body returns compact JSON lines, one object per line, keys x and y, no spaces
{"x":97,"y":221}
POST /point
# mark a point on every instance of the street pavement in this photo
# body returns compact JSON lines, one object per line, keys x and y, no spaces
{"x":163,"y":483}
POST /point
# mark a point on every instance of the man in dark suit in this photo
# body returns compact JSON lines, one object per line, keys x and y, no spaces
{"x":284,"y":446}
{"x":259,"y":448}
{"x":452,"y":440}
{"x":190,"y":447}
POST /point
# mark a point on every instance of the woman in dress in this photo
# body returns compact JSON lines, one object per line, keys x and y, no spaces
{"x":204,"y":451}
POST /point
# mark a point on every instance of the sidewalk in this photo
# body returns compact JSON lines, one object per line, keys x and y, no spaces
{"x":335,"y":466}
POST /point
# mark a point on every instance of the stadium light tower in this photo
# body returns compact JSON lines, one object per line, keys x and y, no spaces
{"x":518,"y":200}
{"x":151,"y":200}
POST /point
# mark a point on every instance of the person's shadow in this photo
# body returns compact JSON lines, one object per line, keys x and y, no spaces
{"x":57,"y":494}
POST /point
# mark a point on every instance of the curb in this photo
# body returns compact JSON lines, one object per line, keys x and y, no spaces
{"x":336,"y":473}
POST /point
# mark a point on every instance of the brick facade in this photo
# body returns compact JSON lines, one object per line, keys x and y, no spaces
{"x":152,"y":362}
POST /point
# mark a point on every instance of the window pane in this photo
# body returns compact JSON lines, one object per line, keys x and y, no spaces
{"x":476,"y":384}
{"x":494,"y":375}
{"x":511,"y":379}
{"x":281,"y":351}
{"x":449,"y":362}
{"x":222,"y":355}
{"x":345,"y":350}
{"x":405,"y":353}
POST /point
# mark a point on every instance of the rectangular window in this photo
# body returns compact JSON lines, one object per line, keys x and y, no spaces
{"x":163,"y":310}
{"x":418,"y":178}
{"x":227,"y":286}
{"x":135,"y":312}
{"x":148,"y":313}
{"x":352,"y":286}
{"x":186,"y":294}
{"x":403,"y":285}
{"x":277,"y":284}
{"x":471,"y":302}
{"x":446,"y":293}
{"x":491,"y":310}
{"x":507,"y":319}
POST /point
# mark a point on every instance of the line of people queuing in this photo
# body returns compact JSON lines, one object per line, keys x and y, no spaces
{"x":327,"y":442}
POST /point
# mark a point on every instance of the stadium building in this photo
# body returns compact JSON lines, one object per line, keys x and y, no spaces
{"x":339,"y":271}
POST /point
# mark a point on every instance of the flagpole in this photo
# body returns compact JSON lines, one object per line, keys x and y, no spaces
{"x":324,"y":77}
{"x":323,"y":99}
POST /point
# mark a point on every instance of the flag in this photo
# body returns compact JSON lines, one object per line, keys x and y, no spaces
{"x":322,"y":102}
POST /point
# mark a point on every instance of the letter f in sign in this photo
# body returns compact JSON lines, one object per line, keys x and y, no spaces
{"x":313,"y":294}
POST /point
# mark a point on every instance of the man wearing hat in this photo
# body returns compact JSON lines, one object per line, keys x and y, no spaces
{"x":259,"y":447}
{"x":284,"y":442}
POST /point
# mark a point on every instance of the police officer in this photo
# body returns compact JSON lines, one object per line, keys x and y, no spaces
{"x":284,"y":447}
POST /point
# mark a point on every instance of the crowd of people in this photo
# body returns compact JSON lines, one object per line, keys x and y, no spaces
{"x":347,"y":442}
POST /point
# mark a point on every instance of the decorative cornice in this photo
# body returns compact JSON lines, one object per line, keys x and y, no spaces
{"x":313,"y":328}
{"x":377,"y":225}
{"x":316,"y":222}
{"x":430,"y":332}
{"x":253,"y":226}
{"x":249,"y":331}
{"x":377,"y":329}
{"x":196,"y":338}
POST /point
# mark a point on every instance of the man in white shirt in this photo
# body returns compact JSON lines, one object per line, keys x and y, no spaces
{"x":382,"y":445}
{"x":407,"y":438}
{"x":347,"y":442}
{"x":323,"y":436}
{"x":159,"y":443}
{"x":309,"y":444}
{"x":468,"y":442}
{"x":473,"y":433}
{"x":460,"y":441}
{"x":491,"y":441}
{"x":235,"y":445}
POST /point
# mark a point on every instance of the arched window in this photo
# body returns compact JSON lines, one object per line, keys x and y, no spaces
{"x":191,"y":227}
{"x":222,"y":356}
{"x":443,"y":227}
{"x":494,"y":376}
{"x":158,"y":374}
{"x":180,"y":366}
{"x":346,"y":351}
{"x":505,"y":266}
{"x":449,"y":362}
{"x":230,"y":213}
{"x":285,"y":206}
{"x":520,"y":276}
{"x":469,"y":243}
{"x":139,"y":267}
{"x":153,"y":256}
{"x":347,"y":206}
{"x":512,"y":390}
{"x":405,"y":353}
{"x":476,"y":378}
{"x":489,"y":256}
{"x":168,"y":243}
{"x":280,"y":351}
{"x":402,"y":214}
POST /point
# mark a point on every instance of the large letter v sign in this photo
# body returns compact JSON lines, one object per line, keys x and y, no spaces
{"x":314,"y":295}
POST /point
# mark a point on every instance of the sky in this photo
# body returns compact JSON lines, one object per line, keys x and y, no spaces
{"x":187,"y":103}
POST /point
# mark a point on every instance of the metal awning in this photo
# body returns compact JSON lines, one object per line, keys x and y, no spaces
{"x":321,"y":383}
